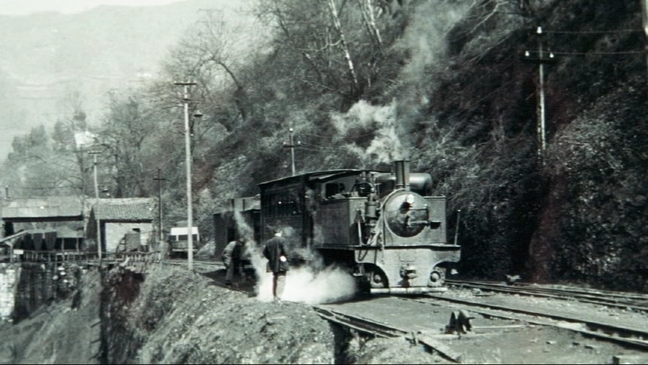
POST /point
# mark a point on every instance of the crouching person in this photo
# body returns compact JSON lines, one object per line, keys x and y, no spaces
{"x":232,"y":259}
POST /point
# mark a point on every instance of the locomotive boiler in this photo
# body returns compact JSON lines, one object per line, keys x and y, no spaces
{"x":385,"y":227}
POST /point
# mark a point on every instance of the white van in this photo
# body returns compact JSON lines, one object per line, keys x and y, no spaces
{"x":178,"y":243}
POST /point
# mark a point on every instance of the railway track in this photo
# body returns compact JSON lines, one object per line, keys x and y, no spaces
{"x":625,"y":335}
{"x":368,"y":320}
{"x":633,"y":301}
{"x":435,"y":340}
{"x":201,"y":265}
{"x":380,"y":329}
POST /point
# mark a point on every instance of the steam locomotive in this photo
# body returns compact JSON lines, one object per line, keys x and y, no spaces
{"x":387,"y":229}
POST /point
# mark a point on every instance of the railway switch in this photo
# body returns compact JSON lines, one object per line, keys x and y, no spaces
{"x":459,"y":323}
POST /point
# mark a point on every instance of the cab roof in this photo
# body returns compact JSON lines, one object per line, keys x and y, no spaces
{"x":320,"y":175}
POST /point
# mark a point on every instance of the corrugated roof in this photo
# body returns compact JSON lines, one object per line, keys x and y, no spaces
{"x":126,"y":209}
{"x":320,"y":175}
{"x":53,"y":206}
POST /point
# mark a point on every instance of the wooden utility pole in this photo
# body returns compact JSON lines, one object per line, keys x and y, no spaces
{"x":292,"y":146}
{"x":541,"y":59}
{"x":644,"y":17}
{"x":185,"y":101}
{"x":160,"y":235}
{"x":96,"y":187}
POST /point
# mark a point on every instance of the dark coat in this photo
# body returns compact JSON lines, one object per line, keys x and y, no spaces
{"x":232,"y":252}
{"x":275,"y":248}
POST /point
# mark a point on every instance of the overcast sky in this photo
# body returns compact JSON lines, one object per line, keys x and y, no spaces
{"x":23,"y":7}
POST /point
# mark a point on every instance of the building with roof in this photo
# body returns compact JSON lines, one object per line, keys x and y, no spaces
{"x":123,"y":219}
{"x":68,"y":215}
{"x":45,"y":209}
{"x":36,"y":223}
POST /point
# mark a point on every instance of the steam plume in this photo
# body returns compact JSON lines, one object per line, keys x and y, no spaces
{"x":387,"y":144}
{"x":394,"y":125}
{"x":311,"y":285}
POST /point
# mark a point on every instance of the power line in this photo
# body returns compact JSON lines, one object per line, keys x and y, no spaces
{"x":459,"y":96}
{"x":322,"y":136}
{"x":312,"y":149}
{"x":594,"y":31}
{"x":45,"y":187}
{"x":481,"y":99}
{"x":320,"y":147}
{"x":594,"y":53}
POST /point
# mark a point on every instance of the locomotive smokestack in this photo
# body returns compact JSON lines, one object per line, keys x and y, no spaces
{"x":402,"y":172}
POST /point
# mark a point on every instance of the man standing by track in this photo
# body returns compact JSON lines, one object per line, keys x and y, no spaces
{"x":275,"y":252}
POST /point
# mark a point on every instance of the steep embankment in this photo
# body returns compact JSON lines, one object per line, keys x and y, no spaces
{"x":173,"y":316}
{"x":169,"y":315}
{"x":578,"y":214}
{"x":62,"y":331}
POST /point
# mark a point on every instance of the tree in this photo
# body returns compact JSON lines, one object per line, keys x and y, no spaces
{"x":29,"y":168}
{"x":122,"y":138}
{"x":333,"y":46}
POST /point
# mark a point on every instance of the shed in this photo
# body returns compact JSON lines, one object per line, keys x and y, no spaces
{"x":119,"y":217}
{"x":57,"y":211}
{"x":45,"y":209}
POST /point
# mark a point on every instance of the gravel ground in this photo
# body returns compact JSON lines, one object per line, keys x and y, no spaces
{"x":573,"y":308}
{"x":190,"y":320}
{"x":170,"y":315}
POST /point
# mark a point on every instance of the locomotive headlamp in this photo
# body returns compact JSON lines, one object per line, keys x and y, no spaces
{"x":410,"y":199}
{"x":408,"y":203}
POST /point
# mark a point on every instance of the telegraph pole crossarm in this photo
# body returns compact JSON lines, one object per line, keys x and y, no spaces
{"x":541,"y":59}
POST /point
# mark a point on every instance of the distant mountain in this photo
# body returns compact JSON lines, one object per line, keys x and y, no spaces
{"x":46,"y":56}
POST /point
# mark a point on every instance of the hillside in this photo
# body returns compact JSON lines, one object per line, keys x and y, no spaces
{"x":444,"y":83}
{"x":48,"y":57}
{"x":454,"y":93}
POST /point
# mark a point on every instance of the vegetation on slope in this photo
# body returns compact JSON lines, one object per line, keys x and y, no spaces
{"x":442,"y":82}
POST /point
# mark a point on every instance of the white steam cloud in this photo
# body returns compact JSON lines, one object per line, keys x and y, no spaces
{"x":387,"y":145}
{"x":310,"y":285}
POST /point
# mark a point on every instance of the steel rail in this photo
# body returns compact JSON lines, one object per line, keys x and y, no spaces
{"x":606,"y":331}
{"x":562,"y":288}
{"x":379,"y":329}
{"x":580,"y":295}
{"x":559,"y":288}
